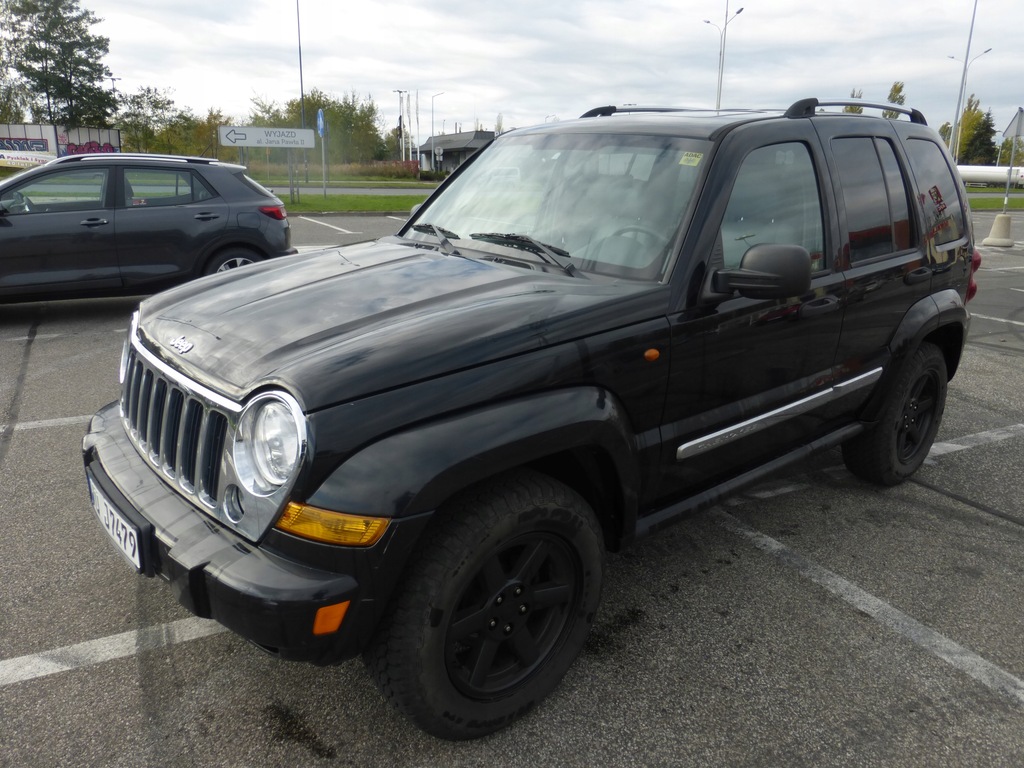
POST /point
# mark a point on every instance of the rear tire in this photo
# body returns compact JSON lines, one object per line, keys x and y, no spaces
{"x":232,"y":258}
{"x":896,"y":446}
{"x":494,"y":608}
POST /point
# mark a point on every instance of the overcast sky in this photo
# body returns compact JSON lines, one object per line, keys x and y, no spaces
{"x":537,"y":60}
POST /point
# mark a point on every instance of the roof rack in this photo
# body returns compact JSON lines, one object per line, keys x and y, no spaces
{"x":807,"y":108}
{"x":801,"y":108}
{"x":100,"y":156}
{"x":631,"y":108}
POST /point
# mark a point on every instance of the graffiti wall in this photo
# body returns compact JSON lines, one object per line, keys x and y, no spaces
{"x":22,"y":146}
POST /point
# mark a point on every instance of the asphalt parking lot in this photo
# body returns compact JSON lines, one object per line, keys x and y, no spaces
{"x":814,"y":620}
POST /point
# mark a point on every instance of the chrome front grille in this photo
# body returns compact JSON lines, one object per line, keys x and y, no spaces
{"x":178,"y":429}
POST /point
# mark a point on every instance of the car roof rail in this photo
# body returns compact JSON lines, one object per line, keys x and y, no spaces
{"x":633,"y":108}
{"x":101,"y":156}
{"x":808,"y":108}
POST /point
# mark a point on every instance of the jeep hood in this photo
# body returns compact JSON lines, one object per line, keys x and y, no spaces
{"x":342,"y":323}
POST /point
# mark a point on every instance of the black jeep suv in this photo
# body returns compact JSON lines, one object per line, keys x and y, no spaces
{"x":126,"y":224}
{"x":419,"y":449}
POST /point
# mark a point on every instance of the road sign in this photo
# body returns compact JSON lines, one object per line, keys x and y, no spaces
{"x":320,"y":122}
{"x":270,"y":138}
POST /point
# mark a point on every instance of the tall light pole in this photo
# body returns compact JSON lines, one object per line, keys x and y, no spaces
{"x":721,"y":50}
{"x":954,"y":138}
{"x":432,"y":127}
{"x":401,"y":124}
{"x":955,"y":130}
{"x":302,"y":90}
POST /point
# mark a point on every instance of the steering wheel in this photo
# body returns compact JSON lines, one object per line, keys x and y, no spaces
{"x":636,"y":229}
{"x":20,"y":204}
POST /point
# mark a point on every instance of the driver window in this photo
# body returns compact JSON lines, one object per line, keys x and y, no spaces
{"x":774,"y":200}
{"x":81,"y":189}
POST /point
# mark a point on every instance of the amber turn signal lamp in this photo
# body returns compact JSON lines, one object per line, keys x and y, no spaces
{"x":328,"y":619}
{"x":651,"y":355}
{"x":331,"y":527}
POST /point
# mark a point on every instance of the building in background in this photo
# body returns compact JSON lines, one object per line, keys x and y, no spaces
{"x":23,"y":146}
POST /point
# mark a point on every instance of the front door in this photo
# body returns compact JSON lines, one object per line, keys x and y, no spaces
{"x":58,"y":234}
{"x":750,"y":373}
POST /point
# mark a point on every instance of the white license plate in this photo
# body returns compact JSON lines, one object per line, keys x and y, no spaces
{"x":123,"y":533}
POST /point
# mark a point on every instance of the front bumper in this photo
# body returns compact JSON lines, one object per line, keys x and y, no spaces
{"x":263,"y":596}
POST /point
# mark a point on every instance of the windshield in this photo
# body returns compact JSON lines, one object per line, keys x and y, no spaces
{"x":605,"y":203}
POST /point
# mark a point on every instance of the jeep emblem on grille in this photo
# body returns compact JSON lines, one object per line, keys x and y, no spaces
{"x":181,"y":344}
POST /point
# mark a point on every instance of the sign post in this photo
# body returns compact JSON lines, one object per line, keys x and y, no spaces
{"x":321,"y":128}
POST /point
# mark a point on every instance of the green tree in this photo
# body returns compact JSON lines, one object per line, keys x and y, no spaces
{"x":855,"y":93}
{"x":144,"y":115}
{"x":1007,"y":150}
{"x":14,"y":96}
{"x":896,"y":96}
{"x":971,"y":121}
{"x":61,"y":62}
{"x":979,"y":147}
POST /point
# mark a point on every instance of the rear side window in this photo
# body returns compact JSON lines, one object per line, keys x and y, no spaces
{"x":939,"y":198}
{"x":875,"y":197}
{"x":153,"y":187}
{"x":254,"y":185}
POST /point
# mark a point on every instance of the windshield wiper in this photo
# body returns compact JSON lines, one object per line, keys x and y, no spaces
{"x":550,"y":254}
{"x":442,"y":236}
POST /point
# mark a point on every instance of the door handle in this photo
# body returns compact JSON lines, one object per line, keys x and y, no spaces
{"x":919,"y":275}
{"x":207,"y":216}
{"x":93,"y":222}
{"x":819,"y":306}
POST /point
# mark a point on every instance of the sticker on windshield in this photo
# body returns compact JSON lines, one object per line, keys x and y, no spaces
{"x":691,"y":158}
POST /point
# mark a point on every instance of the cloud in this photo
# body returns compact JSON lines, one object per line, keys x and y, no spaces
{"x":531,"y":59}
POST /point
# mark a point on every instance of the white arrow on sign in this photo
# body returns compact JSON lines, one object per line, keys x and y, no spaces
{"x":234,"y":136}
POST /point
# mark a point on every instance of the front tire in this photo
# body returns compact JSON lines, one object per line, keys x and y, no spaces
{"x":896,"y":446}
{"x":494,"y":609}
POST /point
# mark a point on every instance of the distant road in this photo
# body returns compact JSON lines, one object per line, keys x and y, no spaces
{"x":333,"y":189}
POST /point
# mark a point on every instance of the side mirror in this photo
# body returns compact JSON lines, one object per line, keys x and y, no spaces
{"x":767,"y":271}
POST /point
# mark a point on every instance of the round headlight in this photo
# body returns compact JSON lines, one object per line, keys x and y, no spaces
{"x":269,"y":443}
{"x":275,"y":442}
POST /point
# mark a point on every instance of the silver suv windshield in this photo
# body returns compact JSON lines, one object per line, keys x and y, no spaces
{"x":597,"y":203}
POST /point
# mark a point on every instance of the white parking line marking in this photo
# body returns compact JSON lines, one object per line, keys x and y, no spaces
{"x":325,"y":224}
{"x":105,"y":649}
{"x":979,"y":438}
{"x":48,"y":423}
{"x":954,"y":654}
{"x":998,"y":319}
{"x":52,"y":336}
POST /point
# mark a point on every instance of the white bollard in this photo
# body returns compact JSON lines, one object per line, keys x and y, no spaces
{"x":1000,"y":234}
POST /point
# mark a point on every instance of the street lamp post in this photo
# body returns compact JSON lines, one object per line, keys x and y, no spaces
{"x":302,"y":90}
{"x":958,"y":128}
{"x":432,"y":128}
{"x":954,"y":132}
{"x":721,"y":50}
{"x":401,"y":124}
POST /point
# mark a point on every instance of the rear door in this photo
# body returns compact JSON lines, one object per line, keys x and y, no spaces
{"x":886,"y":264}
{"x":167,"y":221}
{"x":58,"y":233}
